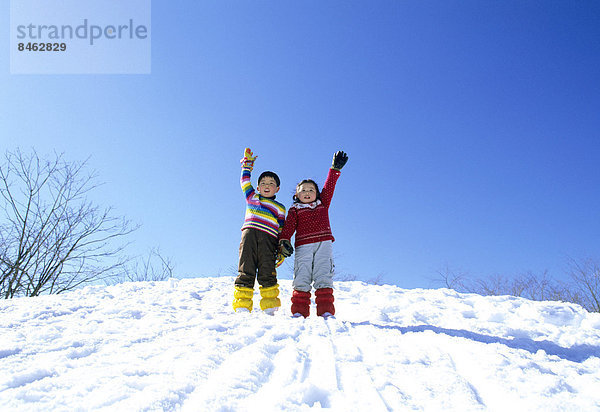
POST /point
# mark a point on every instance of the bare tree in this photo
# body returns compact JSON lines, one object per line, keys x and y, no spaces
{"x":529,"y":285}
{"x":543,"y":287}
{"x":497,"y":285}
{"x":52,"y":239}
{"x":376,"y":280}
{"x":451,"y":279}
{"x":345,"y":277}
{"x":153,"y":267}
{"x":586,"y":288}
{"x":584,"y":291}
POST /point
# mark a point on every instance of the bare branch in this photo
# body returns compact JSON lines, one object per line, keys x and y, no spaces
{"x":152,"y":267}
{"x":586,"y":275}
{"x":52,"y":238}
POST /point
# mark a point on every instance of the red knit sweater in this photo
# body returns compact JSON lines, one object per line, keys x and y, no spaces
{"x":310,"y":221}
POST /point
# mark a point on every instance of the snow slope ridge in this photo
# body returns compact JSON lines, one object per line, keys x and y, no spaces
{"x":177,"y":345}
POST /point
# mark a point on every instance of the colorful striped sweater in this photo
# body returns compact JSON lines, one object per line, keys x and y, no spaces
{"x":310,"y":221}
{"x":262,"y":213}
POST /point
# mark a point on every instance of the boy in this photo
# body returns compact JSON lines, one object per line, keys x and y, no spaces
{"x":258,"y":247}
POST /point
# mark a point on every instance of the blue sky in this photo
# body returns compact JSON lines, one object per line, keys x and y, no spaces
{"x":472,"y":129}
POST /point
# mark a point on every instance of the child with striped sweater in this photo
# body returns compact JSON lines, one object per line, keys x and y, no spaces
{"x":258,"y":248}
{"x":308,"y":217}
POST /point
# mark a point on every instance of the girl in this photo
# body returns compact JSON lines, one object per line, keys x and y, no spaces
{"x":313,"y":264}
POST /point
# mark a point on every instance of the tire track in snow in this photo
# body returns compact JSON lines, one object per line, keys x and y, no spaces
{"x":353,"y":375}
{"x":250,"y":363}
{"x":318,"y":383}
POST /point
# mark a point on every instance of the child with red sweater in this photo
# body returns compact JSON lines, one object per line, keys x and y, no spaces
{"x":308,"y":217}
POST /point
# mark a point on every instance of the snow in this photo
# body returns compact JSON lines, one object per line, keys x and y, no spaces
{"x":178,"y":346}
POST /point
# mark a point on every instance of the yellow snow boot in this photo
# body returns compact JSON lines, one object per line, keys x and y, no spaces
{"x":269,"y":302}
{"x":242,"y":298}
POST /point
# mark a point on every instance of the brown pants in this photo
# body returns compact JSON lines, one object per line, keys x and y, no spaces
{"x":257,"y":259}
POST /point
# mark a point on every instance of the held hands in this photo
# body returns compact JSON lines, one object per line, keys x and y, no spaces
{"x":248,"y":159}
{"x":286,"y":248}
{"x":339,"y":160}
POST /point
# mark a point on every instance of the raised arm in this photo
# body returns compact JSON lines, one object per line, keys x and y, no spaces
{"x":247,"y":166}
{"x":339,"y":160}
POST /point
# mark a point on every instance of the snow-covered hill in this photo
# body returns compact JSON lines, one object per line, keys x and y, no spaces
{"x":177,"y":345}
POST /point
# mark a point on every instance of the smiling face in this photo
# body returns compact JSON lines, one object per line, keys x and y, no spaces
{"x":306,"y":193}
{"x":267,"y":186}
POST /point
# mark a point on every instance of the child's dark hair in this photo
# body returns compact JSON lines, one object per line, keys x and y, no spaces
{"x":268,"y":173}
{"x":295,"y":198}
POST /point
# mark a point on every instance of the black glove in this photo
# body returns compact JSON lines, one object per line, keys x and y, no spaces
{"x":339,"y":160}
{"x":286,"y":248}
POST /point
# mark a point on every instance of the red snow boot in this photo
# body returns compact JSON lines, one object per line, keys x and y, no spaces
{"x":301,"y":303}
{"x":324,"y":300}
